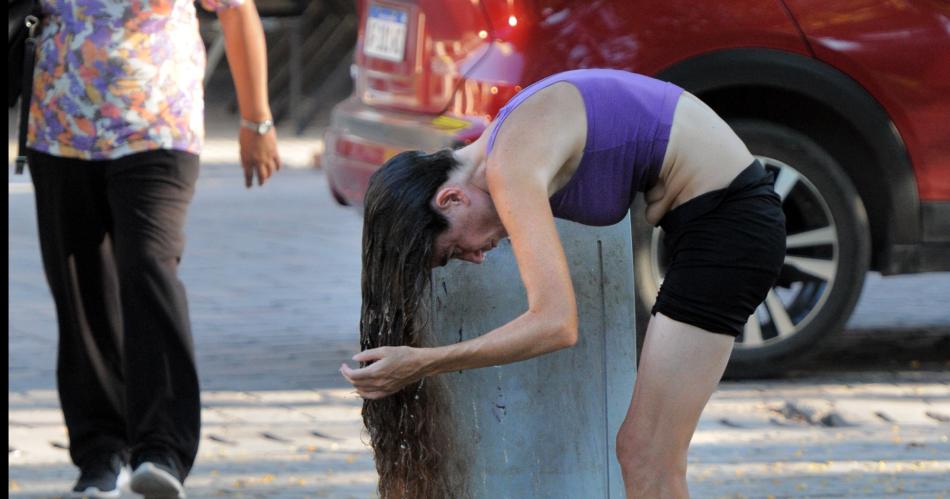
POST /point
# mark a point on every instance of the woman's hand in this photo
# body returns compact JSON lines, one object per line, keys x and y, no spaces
{"x":392,"y":369}
{"x":259,"y":155}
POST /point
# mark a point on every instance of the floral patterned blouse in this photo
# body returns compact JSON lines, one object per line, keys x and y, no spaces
{"x":116,"y":77}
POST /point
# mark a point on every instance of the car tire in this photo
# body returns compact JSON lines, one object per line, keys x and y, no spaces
{"x":827,"y":258}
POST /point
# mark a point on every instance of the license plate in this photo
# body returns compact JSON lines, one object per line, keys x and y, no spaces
{"x":386,"y":33}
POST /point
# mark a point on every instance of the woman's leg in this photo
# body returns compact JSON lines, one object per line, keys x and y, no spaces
{"x":149,"y":194}
{"x":74,"y":228}
{"x":680,"y":367}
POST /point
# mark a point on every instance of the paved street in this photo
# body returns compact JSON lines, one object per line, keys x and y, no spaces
{"x":273,"y":282}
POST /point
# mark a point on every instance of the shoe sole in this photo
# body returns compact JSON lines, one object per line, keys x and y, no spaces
{"x":156,"y":483}
{"x":93,"y":493}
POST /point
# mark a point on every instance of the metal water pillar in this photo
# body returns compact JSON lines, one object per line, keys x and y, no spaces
{"x":545,"y":427}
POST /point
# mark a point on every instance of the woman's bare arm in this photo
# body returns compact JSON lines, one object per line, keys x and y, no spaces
{"x":532,"y":146}
{"x":247,"y":56}
{"x":535,"y":143}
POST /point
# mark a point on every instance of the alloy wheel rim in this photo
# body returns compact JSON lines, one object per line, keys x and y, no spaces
{"x":808,"y":273}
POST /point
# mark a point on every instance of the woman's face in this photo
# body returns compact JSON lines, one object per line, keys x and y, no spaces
{"x":474,"y":229}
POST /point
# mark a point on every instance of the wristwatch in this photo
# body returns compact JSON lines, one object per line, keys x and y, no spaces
{"x":258,"y":127}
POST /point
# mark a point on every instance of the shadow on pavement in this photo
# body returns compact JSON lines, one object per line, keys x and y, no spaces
{"x":913,"y":349}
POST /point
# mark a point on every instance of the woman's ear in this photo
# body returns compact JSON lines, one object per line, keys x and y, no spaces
{"x":449,"y":196}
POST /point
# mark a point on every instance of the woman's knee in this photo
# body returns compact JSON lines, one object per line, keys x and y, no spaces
{"x":146,"y":258}
{"x":640,"y":452}
{"x":633,"y":448}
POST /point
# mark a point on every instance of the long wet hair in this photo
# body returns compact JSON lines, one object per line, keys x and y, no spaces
{"x":407,"y":429}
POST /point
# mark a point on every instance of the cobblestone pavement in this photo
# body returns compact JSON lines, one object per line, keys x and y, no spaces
{"x":273,"y":282}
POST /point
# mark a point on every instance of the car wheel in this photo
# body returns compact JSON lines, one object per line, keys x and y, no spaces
{"x":828,"y":253}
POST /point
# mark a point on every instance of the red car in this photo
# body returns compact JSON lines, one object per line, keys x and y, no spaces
{"x":848,"y":100}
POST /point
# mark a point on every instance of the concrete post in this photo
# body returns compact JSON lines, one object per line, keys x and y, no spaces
{"x":546,"y":427}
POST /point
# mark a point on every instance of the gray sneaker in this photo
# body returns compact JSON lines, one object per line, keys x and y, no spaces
{"x":156,"y":478}
{"x":101,"y":477}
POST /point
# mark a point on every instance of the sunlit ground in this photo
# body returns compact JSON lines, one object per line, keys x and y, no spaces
{"x":255,"y":444}
{"x":880,"y":438}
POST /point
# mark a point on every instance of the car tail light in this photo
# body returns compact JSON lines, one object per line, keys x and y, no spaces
{"x":368,"y":153}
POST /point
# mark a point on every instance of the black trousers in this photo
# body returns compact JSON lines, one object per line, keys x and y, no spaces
{"x":111,"y":235}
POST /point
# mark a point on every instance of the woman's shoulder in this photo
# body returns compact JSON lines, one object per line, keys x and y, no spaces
{"x":553,"y":112}
{"x":544,"y":133}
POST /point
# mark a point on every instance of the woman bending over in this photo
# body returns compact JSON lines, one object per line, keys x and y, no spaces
{"x":577,"y":145}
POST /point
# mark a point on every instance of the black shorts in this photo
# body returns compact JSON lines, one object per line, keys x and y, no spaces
{"x":727,"y":248}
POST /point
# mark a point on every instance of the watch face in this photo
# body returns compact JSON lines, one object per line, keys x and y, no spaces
{"x":258,"y":128}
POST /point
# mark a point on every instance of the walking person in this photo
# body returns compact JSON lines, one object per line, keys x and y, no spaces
{"x":115,"y":130}
{"x":577,"y":145}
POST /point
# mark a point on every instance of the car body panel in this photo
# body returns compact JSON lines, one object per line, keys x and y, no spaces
{"x":646,"y":37}
{"x":900,"y":52}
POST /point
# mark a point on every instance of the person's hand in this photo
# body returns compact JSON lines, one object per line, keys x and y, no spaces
{"x":258,"y":155}
{"x":392,"y":369}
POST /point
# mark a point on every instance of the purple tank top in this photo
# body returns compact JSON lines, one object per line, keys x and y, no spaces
{"x":628,"y":127}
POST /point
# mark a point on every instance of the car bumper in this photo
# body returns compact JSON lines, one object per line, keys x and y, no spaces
{"x":361,"y":138}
